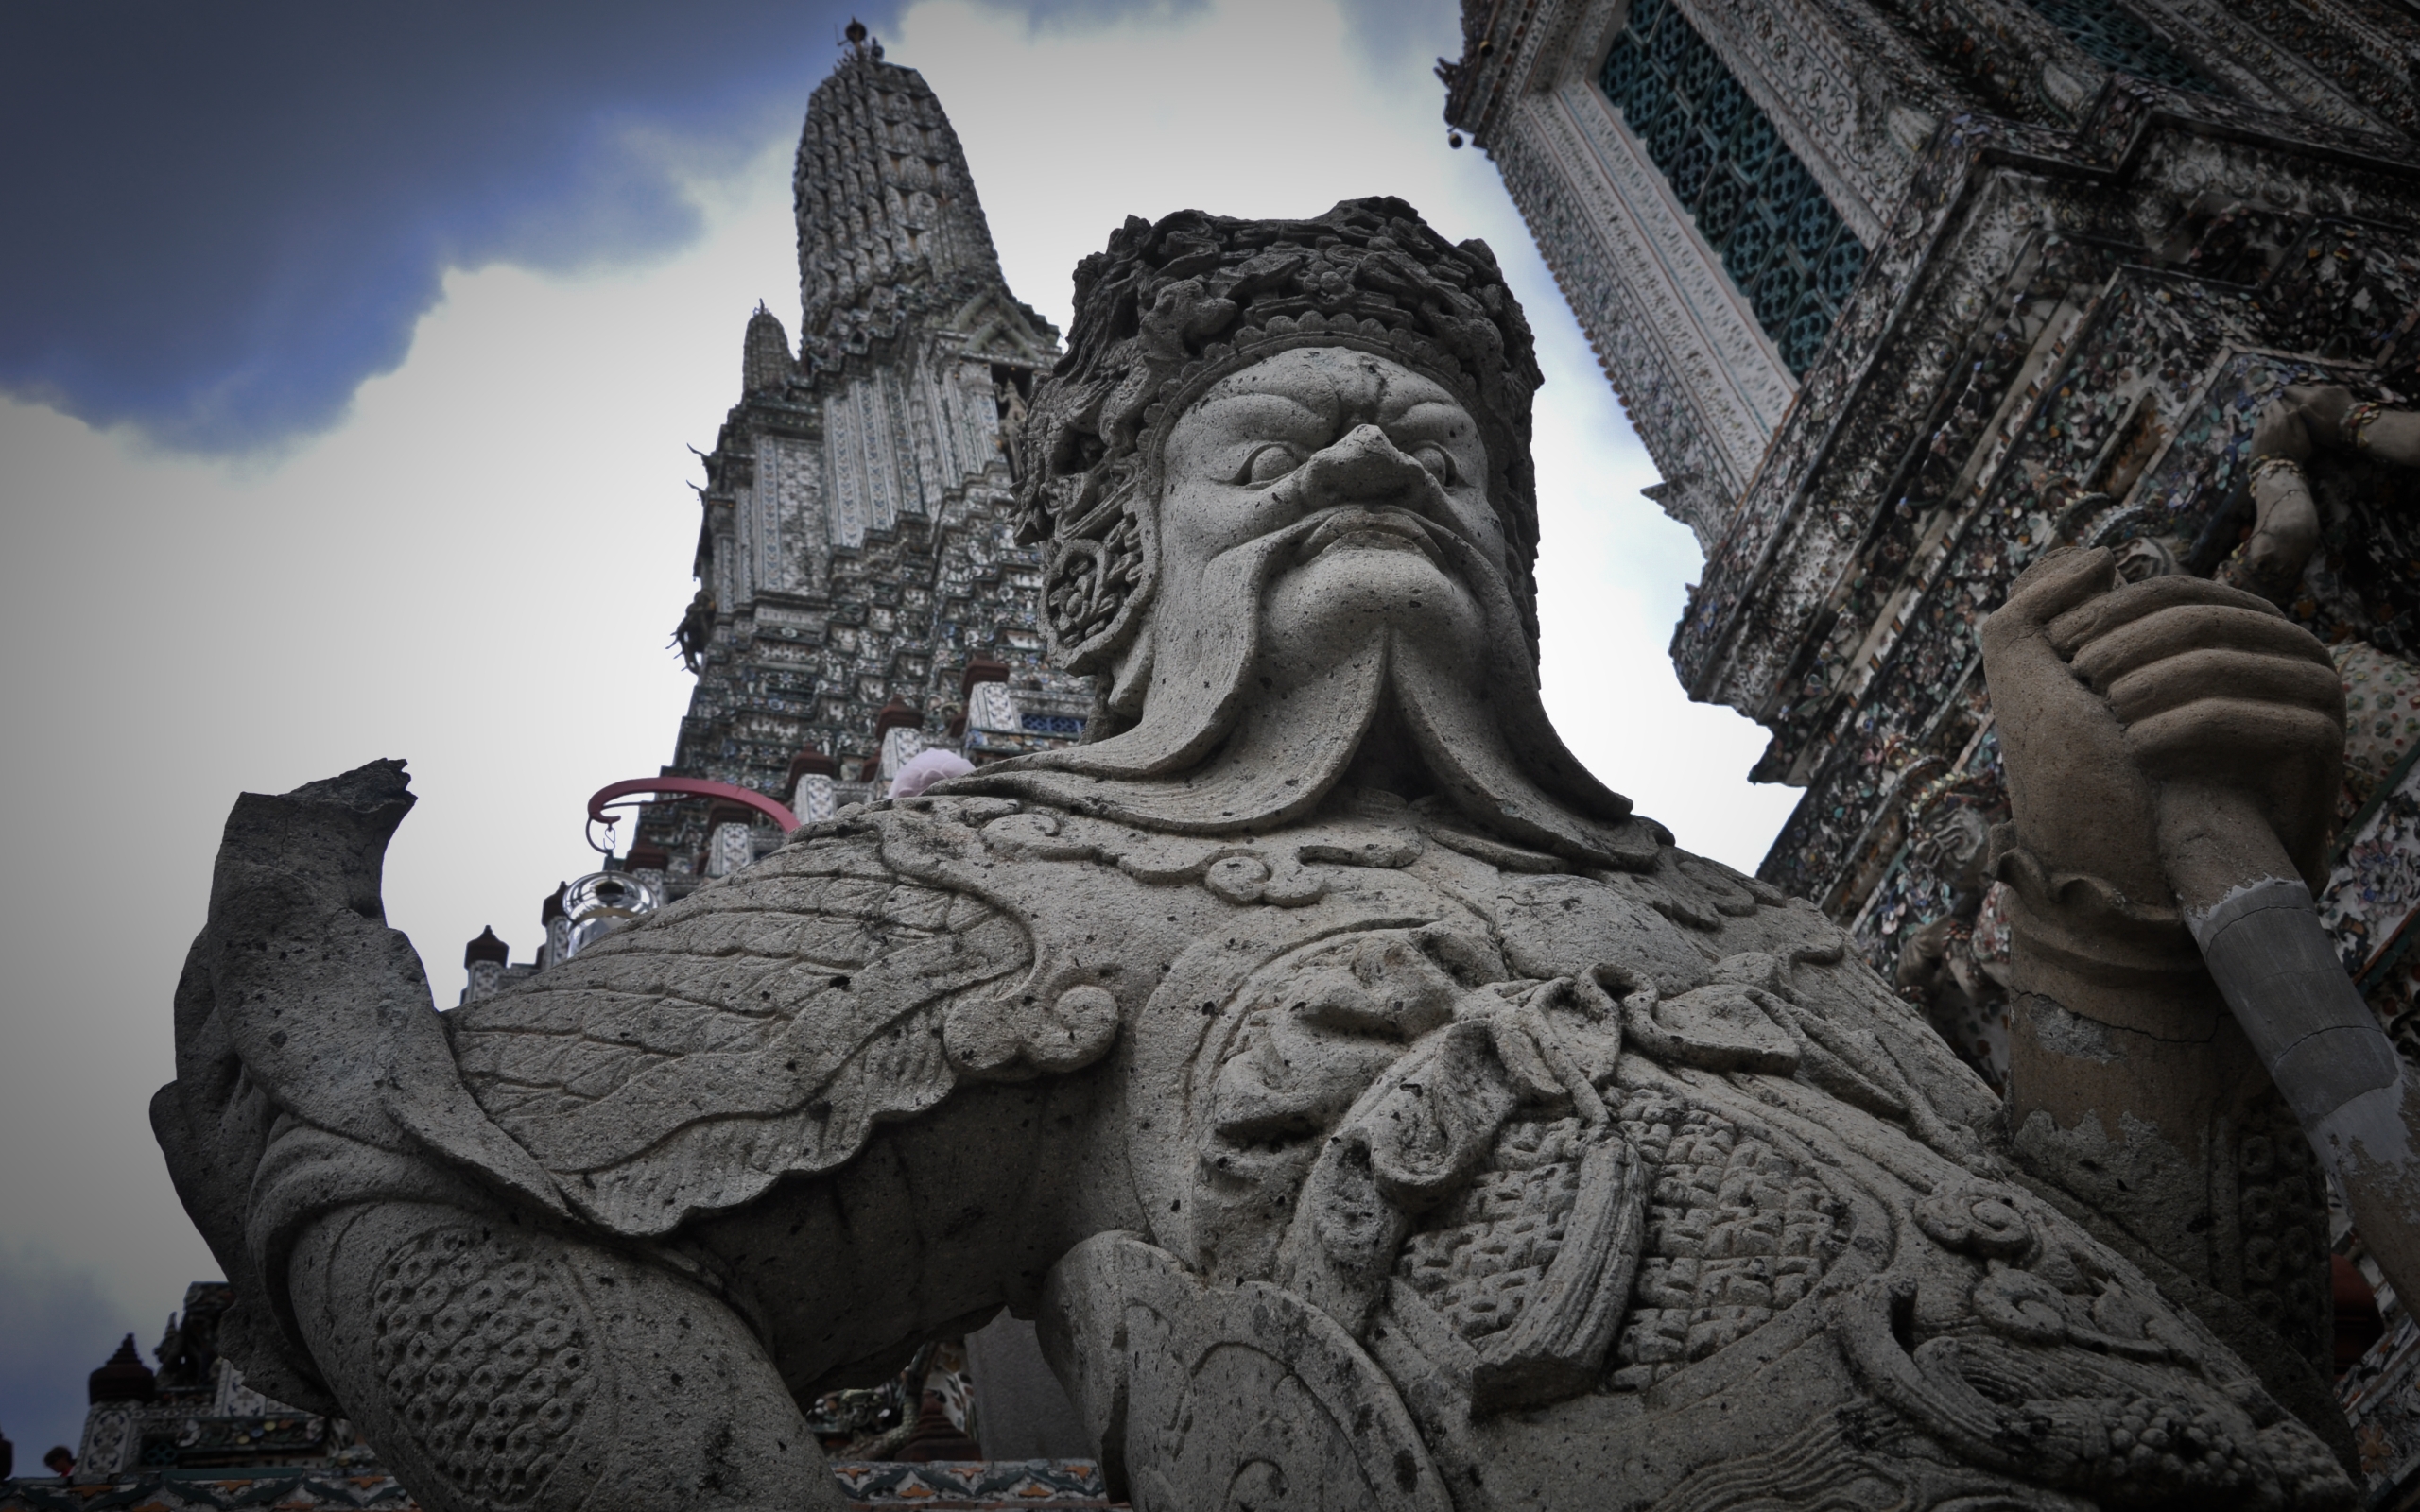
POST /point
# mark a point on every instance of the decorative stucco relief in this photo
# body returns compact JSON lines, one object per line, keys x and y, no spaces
{"x":2236,"y":50}
{"x":1544,"y":36}
{"x":861,"y":450}
{"x":1684,"y":451}
{"x":788,"y":500}
{"x":2016,"y":58}
{"x":930,"y":473}
{"x":1732,"y":382}
{"x":2184,"y":360}
{"x":1799,"y":526}
{"x":1890,"y":66}
{"x":2377,"y":33}
{"x":1807,"y":526}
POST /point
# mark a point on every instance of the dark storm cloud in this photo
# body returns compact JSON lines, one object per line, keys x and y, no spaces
{"x":221,"y":219}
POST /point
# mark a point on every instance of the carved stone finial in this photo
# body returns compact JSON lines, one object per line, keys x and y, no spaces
{"x":486,"y":947}
{"x":886,"y":212}
{"x":765,"y":358}
{"x":124,"y":1377}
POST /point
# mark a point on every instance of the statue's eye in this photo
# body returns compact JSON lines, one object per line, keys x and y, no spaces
{"x":1269,"y":463}
{"x":1440,"y":466}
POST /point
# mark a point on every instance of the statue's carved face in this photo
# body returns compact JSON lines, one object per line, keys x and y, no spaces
{"x":1384,"y":464}
{"x":1331,"y":589}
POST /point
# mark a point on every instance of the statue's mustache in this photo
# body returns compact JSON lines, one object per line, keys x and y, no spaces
{"x":1209,"y":757}
{"x":1337,"y":525}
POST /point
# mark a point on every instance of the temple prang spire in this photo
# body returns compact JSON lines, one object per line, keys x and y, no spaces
{"x":889,"y":222}
{"x":855,"y":550}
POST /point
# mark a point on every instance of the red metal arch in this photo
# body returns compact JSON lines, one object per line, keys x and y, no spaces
{"x":690,"y":787}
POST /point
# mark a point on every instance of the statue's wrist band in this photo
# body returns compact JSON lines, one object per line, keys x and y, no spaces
{"x":2090,"y":925}
{"x":2269,"y":464}
{"x":2354,"y":429}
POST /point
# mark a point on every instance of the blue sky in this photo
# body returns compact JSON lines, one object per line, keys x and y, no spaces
{"x":349,"y":360}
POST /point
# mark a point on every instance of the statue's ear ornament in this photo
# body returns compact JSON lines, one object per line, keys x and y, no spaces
{"x":1096,"y":579}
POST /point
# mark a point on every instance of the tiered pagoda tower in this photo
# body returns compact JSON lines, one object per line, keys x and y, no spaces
{"x":858,"y":584}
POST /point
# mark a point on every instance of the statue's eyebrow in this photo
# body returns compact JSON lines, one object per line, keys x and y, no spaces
{"x":1263,"y":399}
{"x":1412,"y":412}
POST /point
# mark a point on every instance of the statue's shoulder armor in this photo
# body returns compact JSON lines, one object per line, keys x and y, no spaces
{"x":754,"y":1028}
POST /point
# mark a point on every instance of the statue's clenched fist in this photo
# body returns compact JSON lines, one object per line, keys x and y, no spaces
{"x":2146,"y":723}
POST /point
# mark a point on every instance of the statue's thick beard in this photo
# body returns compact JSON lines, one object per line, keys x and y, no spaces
{"x":1209,"y":757}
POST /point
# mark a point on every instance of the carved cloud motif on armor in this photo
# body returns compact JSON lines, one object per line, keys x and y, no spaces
{"x":2066,"y":1366}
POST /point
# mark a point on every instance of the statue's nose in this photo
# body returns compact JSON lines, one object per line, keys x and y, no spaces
{"x":1365,"y":468}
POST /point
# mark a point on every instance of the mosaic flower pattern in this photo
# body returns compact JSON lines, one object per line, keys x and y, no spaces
{"x":1778,"y":237}
{"x":2116,"y":36}
{"x":2382,"y":718}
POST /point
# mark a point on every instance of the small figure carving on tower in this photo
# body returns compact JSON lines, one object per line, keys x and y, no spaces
{"x":696,"y":631}
{"x":765,"y":352}
{"x":1012,"y":419}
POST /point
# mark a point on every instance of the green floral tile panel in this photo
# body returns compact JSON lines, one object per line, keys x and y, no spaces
{"x":2116,"y":36}
{"x":1783,"y":245}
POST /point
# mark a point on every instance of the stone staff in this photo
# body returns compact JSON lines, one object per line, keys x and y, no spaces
{"x":2259,"y":932}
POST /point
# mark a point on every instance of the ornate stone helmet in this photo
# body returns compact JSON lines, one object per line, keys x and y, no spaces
{"x":1171,"y":308}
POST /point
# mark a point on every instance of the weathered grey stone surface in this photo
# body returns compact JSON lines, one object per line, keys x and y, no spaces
{"x":1372,"y":1109}
{"x":1021,"y":1412}
{"x":2175,"y":748}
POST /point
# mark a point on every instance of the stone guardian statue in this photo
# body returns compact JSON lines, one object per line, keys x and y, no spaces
{"x":1370,"y":1108}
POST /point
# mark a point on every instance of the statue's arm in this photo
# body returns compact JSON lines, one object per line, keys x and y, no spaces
{"x":2173,"y":750}
{"x":2301,"y":423}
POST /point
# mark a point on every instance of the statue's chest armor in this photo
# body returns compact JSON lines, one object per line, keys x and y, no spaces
{"x":1558,"y":1160}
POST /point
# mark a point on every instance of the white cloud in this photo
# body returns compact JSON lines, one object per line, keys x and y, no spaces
{"x":479,"y":571}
